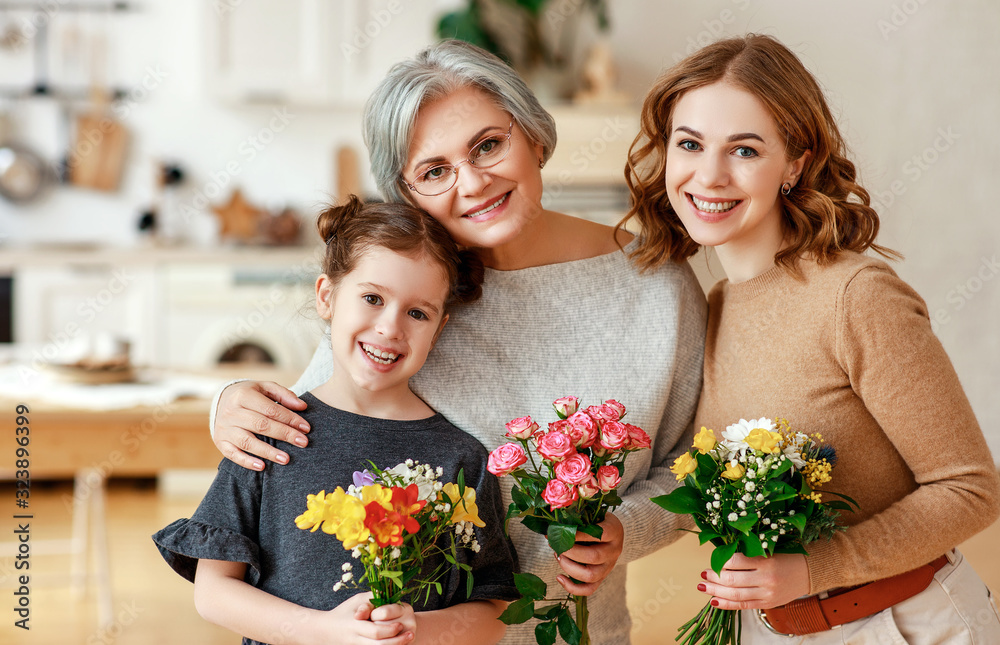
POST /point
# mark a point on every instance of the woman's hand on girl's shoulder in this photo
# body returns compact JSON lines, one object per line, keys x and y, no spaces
{"x":249,"y":408}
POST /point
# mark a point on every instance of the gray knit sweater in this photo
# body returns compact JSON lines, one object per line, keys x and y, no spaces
{"x":596,"y":329}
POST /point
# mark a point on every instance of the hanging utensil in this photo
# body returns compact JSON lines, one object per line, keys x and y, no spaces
{"x":24,"y":174}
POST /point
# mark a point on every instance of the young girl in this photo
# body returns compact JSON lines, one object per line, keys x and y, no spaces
{"x":739,"y":151}
{"x":390,"y":273}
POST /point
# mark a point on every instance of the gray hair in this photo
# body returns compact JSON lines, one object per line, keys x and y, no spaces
{"x":439,"y":70}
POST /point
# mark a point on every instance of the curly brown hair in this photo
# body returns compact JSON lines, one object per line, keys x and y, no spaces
{"x":827,"y":212}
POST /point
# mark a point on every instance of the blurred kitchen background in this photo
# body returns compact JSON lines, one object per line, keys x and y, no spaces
{"x":162,"y":163}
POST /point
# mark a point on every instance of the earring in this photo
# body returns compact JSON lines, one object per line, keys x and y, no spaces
{"x":786,"y":188}
{"x":541,"y":164}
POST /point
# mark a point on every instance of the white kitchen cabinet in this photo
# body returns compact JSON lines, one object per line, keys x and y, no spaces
{"x":320,"y":53}
{"x":60,"y":305}
{"x":183,"y":308}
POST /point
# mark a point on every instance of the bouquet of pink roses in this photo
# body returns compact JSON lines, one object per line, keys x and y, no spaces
{"x":571,"y":483}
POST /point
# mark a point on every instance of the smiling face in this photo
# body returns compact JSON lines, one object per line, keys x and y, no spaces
{"x":487,"y":207}
{"x":725,"y":166}
{"x":385,"y":316}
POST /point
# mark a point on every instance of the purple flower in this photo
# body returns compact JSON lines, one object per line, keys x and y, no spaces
{"x":363,"y":478}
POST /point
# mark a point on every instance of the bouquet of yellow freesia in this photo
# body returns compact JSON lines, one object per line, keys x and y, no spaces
{"x":394,"y":522}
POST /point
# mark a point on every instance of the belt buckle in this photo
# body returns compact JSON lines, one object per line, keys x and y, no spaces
{"x":762,"y":617}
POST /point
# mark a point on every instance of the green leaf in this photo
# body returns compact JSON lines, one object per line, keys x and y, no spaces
{"x":721,"y":555}
{"x":548,"y":612}
{"x":705,"y":536}
{"x":752,"y":547}
{"x":461,"y":483}
{"x":792,"y":547}
{"x":783,"y":467}
{"x":777,"y":491}
{"x":519,"y":611}
{"x":798,"y":521}
{"x":530,"y":585}
{"x":744,"y":523}
{"x":545,"y":633}
{"x":536,"y":524}
{"x":519,"y":499}
{"x":593,"y":530}
{"x":568,"y":629}
{"x":683,"y":501}
{"x":844,"y":497}
{"x":561,"y":537}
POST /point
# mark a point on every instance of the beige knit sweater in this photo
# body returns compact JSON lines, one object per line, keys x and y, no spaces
{"x":849,"y":352}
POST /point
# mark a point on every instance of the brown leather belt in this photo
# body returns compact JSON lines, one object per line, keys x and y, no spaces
{"x":814,"y":614}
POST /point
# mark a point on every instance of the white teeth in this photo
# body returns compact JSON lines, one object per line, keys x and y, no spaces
{"x":713,"y":207}
{"x":379,"y":355}
{"x":488,"y":208}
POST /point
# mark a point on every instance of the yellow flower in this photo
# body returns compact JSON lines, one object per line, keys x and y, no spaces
{"x":733,"y":470}
{"x":763,"y":440}
{"x":316,"y":507}
{"x":377,"y":493}
{"x":348,"y":519}
{"x":684,"y":466}
{"x":817,"y":472}
{"x":337,"y":513}
{"x":705,"y":440}
{"x":464,"y":508}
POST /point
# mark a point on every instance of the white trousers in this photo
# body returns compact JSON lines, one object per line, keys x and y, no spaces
{"x":955,"y":609}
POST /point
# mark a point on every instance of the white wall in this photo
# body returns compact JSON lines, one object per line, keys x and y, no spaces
{"x":915,"y":83}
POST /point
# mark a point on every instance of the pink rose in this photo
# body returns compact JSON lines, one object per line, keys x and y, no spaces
{"x":637,"y":437}
{"x":566,"y":405}
{"x":521,"y":428}
{"x":608,"y":478}
{"x":617,"y":407}
{"x":588,"y":488}
{"x":506,"y":459}
{"x":575,"y":469}
{"x":603,"y":413}
{"x":559,"y":494}
{"x":555,"y":446}
{"x":585,"y":430}
{"x":614,"y":436}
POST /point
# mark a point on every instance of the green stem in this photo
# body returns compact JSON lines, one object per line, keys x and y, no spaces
{"x":581,"y":618}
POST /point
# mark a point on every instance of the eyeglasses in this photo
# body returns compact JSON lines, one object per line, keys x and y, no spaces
{"x":488,"y":152}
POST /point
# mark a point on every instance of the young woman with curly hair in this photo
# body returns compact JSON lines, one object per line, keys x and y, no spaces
{"x":739,"y":151}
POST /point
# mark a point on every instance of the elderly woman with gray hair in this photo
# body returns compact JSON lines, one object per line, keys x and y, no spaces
{"x":456,"y":132}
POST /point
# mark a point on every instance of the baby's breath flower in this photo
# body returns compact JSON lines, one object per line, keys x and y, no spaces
{"x":346,"y":566}
{"x":751,"y":486}
{"x":395,"y":553}
{"x":759,"y":498}
{"x":716,"y":504}
{"x":346,"y":577}
{"x":733,"y":517}
{"x":338,"y":586}
{"x":741,"y":504}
